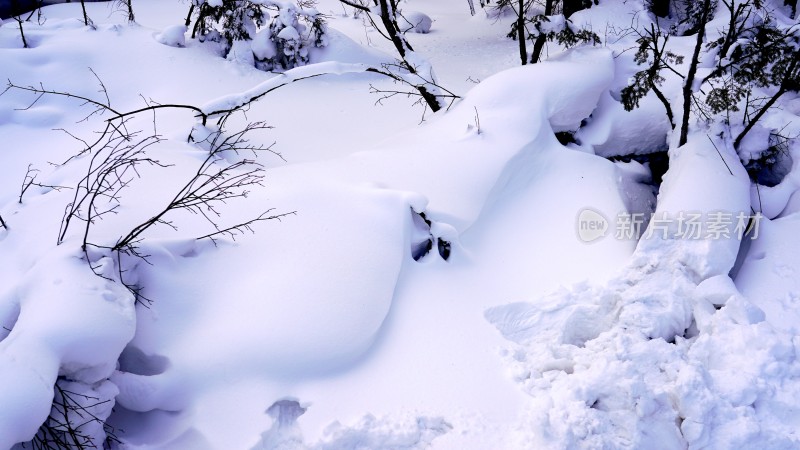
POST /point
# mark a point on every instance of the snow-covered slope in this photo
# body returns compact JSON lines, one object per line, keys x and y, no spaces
{"x":321,"y":330}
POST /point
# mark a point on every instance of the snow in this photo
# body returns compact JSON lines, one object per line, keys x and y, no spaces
{"x":416,"y":21}
{"x":331,"y":328}
{"x":174,"y":36}
{"x":241,"y":53}
{"x":770,"y":260}
{"x":229,"y":102}
{"x":289,"y":34}
{"x":777,"y":200}
{"x":263,"y":47}
{"x":70,"y":323}
{"x":638,"y":358}
{"x":611,"y":129}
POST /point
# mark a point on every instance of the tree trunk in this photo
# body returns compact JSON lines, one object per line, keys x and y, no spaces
{"x":388,"y":17}
{"x":660,"y":7}
{"x":201,"y":16}
{"x":22,"y":33}
{"x":793,"y":5}
{"x":85,"y":16}
{"x":538,"y":45}
{"x":687,"y":86}
{"x":389,"y":20}
{"x":664,"y":102}
{"x":570,"y":7}
{"x":789,"y":83}
{"x":16,"y":11}
{"x":131,"y":17}
{"x":523,"y":50}
{"x":189,"y":17}
{"x":758,"y":116}
{"x":390,"y":24}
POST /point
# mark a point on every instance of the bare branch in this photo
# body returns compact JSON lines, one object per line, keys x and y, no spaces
{"x":240,"y":228}
{"x":30,"y":180}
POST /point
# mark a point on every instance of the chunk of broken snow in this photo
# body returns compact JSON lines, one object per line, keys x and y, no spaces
{"x":241,"y":52}
{"x":289,"y":34}
{"x":262,"y":45}
{"x":417,"y":22}
{"x":174,"y":36}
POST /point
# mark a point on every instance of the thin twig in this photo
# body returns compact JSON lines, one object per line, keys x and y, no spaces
{"x":720,"y":154}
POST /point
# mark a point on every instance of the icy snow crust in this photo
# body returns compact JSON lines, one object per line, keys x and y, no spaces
{"x":320,"y":331}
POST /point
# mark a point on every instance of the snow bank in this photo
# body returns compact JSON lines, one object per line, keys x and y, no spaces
{"x":524,"y":94}
{"x":298,"y":73}
{"x":612,"y":131}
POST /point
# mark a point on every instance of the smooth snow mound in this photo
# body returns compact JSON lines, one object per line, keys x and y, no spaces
{"x":415,"y":21}
{"x":174,"y":36}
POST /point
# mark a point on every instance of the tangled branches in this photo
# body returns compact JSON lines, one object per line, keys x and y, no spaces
{"x":229,"y":171}
{"x":214,"y":183}
{"x":76,"y":421}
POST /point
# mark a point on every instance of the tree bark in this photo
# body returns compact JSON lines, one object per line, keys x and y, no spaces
{"x":665,"y":102}
{"x":390,"y":24}
{"x":687,"y":86}
{"x":129,"y":4}
{"x":189,"y":17}
{"x":793,"y":5}
{"x":538,"y":45}
{"x":85,"y":16}
{"x":789,"y":83}
{"x":570,"y":7}
{"x":402,"y":46}
{"x":389,"y":20}
{"x":16,"y":10}
{"x":758,"y":116}
{"x":523,"y":50}
{"x":201,"y":16}
{"x":660,"y":7}
{"x":22,"y":33}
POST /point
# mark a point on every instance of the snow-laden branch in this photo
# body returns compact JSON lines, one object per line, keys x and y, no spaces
{"x":233,"y":102}
{"x":223,"y":106}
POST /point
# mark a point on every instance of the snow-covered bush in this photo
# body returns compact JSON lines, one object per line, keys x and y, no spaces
{"x":749,"y":53}
{"x":272,"y":35}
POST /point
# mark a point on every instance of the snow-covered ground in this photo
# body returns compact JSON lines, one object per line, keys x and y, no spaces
{"x":320,"y":330}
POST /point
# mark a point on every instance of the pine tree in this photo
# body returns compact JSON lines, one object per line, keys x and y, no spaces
{"x":270,"y":35}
